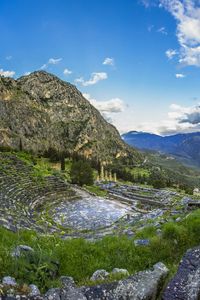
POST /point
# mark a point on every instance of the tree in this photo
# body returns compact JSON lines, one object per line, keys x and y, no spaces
{"x":62,"y":162}
{"x":20,"y":145}
{"x":157,"y":178}
{"x":52,"y":154}
{"x":81,"y":173}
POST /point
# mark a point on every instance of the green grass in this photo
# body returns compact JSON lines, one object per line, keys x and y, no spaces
{"x":138,"y":171}
{"x":96,"y":190}
{"x":79,"y":258}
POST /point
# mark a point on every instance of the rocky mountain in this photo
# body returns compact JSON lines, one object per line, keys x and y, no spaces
{"x":39,"y":112}
{"x":185,"y":147}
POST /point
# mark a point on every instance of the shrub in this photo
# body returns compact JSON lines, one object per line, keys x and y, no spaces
{"x":81,"y":173}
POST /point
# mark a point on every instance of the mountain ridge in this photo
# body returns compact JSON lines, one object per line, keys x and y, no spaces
{"x":184,"y":146}
{"x":42,"y":112}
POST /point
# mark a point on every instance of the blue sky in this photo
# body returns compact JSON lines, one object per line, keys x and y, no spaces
{"x":137,"y":61}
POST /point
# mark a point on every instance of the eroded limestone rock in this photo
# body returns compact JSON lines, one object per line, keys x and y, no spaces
{"x":99,"y":275}
{"x":34,"y":291}
{"x":20,"y":250}
{"x":8,"y":280}
{"x":142,"y":286}
{"x":186,"y":283}
{"x":120,"y":271}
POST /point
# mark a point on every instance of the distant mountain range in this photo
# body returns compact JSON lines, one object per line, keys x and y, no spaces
{"x":185,"y":147}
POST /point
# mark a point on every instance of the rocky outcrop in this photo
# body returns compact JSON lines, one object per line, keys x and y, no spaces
{"x":20,"y":250}
{"x":186,"y":283}
{"x":40,"y":112}
{"x":99,"y":275}
{"x":144,"y":285}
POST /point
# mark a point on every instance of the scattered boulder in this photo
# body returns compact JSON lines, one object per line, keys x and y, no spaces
{"x":120,"y":271}
{"x":34,"y":291}
{"x":67,"y":282}
{"x":186,"y":283}
{"x":157,"y":225}
{"x":99,"y":275}
{"x":8,"y":280}
{"x":185,"y":200}
{"x":67,"y":292}
{"x":159,"y":232}
{"x":73,"y":294}
{"x":142,"y":286}
{"x":178,"y":219}
{"x":20,"y":250}
{"x":145,"y":242}
{"x":53,"y":294}
{"x":128,"y":232}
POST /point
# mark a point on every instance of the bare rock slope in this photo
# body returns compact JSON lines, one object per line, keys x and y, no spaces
{"x":42,"y":112}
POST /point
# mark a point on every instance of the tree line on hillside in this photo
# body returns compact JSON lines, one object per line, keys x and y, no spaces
{"x":82,"y":171}
{"x":158,"y":177}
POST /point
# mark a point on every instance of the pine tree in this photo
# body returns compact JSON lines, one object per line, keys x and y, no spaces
{"x":81,"y":173}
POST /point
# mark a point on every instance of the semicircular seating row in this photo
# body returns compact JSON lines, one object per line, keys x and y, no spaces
{"x":22,"y":194}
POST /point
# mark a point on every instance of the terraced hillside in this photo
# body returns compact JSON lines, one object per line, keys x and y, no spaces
{"x":37,"y":197}
{"x":24,"y":194}
{"x":32,"y":197}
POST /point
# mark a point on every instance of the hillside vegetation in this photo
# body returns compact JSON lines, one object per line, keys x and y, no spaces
{"x":78,"y":258}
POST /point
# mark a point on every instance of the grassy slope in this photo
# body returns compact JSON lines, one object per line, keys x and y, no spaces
{"x":79,"y":258}
{"x":180,"y":171}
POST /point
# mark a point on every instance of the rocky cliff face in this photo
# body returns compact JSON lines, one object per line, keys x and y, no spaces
{"x":40,"y":111}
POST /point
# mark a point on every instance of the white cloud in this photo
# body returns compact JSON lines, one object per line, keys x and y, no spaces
{"x":54,"y":61}
{"x":179,"y":75}
{"x":109,"y":61}
{"x":94,"y":78}
{"x":187,"y":15}
{"x":146,"y":3}
{"x":114,"y":105}
{"x":51,"y":61}
{"x":67,"y":72}
{"x":170,"y":53}
{"x":150,"y":28}
{"x":191,"y":115}
{"x":107,"y":108}
{"x":149,"y":3}
{"x":9,"y":57}
{"x":181,"y":119}
{"x":7,"y":73}
{"x":162,"y":30}
{"x":27,"y":73}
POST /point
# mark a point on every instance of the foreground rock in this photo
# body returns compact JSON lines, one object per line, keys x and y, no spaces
{"x":8,"y":280}
{"x":20,"y":250}
{"x":120,"y":271}
{"x":144,"y":285}
{"x":99,"y":275}
{"x":34,"y":291}
{"x":142,"y":242}
{"x":186,"y":283}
